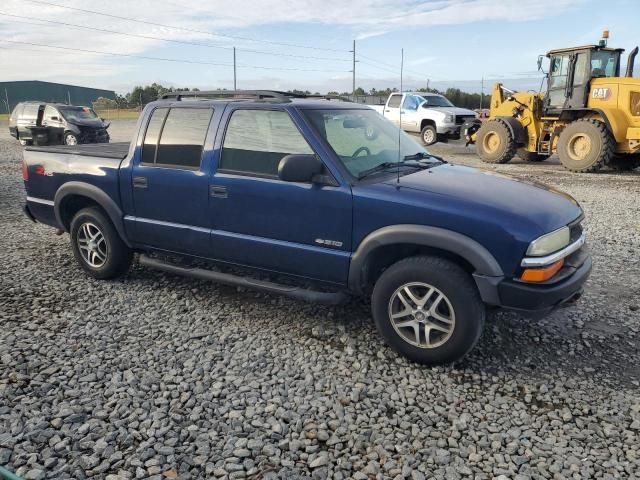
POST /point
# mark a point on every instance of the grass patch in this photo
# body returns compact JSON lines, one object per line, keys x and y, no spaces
{"x":4,"y":117}
{"x":118,"y":114}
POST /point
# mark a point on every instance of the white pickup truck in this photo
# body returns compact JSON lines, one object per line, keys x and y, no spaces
{"x":430,"y":114}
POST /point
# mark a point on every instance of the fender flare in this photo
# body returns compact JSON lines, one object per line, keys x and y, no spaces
{"x":516,"y":128}
{"x":458,"y":244}
{"x":599,"y":111}
{"x":97,"y":195}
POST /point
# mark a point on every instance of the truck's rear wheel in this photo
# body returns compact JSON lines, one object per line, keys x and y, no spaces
{"x":428,"y":309}
{"x":495,"y":142}
{"x":97,"y":246}
{"x":429,"y":135}
{"x":585,"y":145}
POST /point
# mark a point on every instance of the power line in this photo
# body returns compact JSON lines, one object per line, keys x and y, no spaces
{"x":185,"y":42}
{"x":177,"y":60}
{"x":236,"y":37}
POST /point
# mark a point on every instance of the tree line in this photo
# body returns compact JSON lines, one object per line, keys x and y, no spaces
{"x":141,"y":95}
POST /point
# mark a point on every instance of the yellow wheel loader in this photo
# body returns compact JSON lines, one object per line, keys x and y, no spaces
{"x":589,"y":114}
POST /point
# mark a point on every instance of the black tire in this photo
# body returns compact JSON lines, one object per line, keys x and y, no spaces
{"x":429,"y":135}
{"x":70,"y":138}
{"x":528,"y":156}
{"x":495,"y":142}
{"x":460,"y":293}
{"x":624,"y":163}
{"x":600,"y":147}
{"x":117,"y":256}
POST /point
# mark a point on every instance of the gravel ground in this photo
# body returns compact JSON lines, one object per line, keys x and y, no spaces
{"x":160,"y":377}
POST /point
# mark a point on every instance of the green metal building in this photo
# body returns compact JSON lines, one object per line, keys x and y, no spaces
{"x":13,"y":92}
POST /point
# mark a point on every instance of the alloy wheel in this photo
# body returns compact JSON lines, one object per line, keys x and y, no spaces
{"x":422,"y":315}
{"x":92,"y":245}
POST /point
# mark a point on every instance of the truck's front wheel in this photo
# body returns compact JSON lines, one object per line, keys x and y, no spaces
{"x":428,"y":309}
{"x":495,"y":142}
{"x":429,"y":135}
{"x":97,"y":246}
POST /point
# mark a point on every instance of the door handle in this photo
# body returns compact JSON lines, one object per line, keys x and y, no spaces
{"x":140,"y":182}
{"x":218,"y":191}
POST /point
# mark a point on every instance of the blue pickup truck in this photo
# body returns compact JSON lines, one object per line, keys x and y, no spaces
{"x":318,"y":199}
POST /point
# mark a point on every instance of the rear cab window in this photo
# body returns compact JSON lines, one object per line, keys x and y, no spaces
{"x":175,"y":137}
{"x":256,"y":140}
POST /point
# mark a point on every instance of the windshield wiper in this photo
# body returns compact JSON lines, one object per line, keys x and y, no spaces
{"x":378,"y":168}
{"x":407,"y":161}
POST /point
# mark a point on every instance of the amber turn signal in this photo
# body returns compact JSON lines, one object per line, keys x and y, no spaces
{"x":541,"y":274}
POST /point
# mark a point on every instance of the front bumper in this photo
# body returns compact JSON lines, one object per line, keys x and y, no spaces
{"x":94,"y":136}
{"x":448,"y":129}
{"x":537,"y":300}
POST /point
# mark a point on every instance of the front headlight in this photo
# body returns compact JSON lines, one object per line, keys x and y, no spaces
{"x":448,"y":119}
{"x":549,"y":243}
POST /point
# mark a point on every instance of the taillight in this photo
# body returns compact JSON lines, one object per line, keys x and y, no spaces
{"x":25,"y":170}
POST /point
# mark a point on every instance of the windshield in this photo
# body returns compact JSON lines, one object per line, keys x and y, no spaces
{"x":77,"y":113}
{"x":362,"y":139}
{"x":604,"y":63}
{"x":436,"y":101}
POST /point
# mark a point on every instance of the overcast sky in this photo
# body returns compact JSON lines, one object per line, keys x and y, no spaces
{"x":304,"y":44}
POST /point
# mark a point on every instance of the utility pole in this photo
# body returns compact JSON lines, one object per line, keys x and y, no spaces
{"x":6,"y":96}
{"x":354,"y":70}
{"x":428,"y":84}
{"x":481,"y":94}
{"x":69,"y":97}
{"x":234,"y":68}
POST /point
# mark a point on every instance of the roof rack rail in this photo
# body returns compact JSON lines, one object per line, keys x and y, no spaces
{"x":260,"y":95}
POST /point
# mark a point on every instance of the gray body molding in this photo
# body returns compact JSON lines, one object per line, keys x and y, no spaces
{"x":98,"y":196}
{"x":484,"y":264}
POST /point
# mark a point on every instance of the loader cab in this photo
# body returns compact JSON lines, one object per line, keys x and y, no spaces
{"x":571,"y":71}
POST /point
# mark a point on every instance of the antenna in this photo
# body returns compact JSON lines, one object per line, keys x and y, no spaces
{"x":400,"y":112}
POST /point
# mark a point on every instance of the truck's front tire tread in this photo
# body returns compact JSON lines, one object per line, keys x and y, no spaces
{"x":506,"y":148}
{"x":459,"y":288}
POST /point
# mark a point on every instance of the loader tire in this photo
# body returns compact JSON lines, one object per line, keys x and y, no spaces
{"x":586,"y":145}
{"x":528,"y":156}
{"x":624,"y":163}
{"x":495,"y":142}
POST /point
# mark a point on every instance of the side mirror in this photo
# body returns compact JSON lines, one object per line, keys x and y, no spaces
{"x":299,"y":168}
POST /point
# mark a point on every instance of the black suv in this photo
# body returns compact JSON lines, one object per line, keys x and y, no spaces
{"x":38,"y":123}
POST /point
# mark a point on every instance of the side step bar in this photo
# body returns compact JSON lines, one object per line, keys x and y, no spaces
{"x":304,"y":294}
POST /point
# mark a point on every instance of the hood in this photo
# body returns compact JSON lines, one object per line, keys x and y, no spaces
{"x":454,"y":110}
{"x":530,"y":207}
{"x":89,"y":123}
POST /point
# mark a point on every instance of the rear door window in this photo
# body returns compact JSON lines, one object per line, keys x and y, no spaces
{"x":175,"y":137}
{"x":182,"y":137}
{"x":151,"y":137}
{"x":394,"y":101}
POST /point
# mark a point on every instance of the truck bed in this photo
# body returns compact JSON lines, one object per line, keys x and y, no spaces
{"x":118,"y":150}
